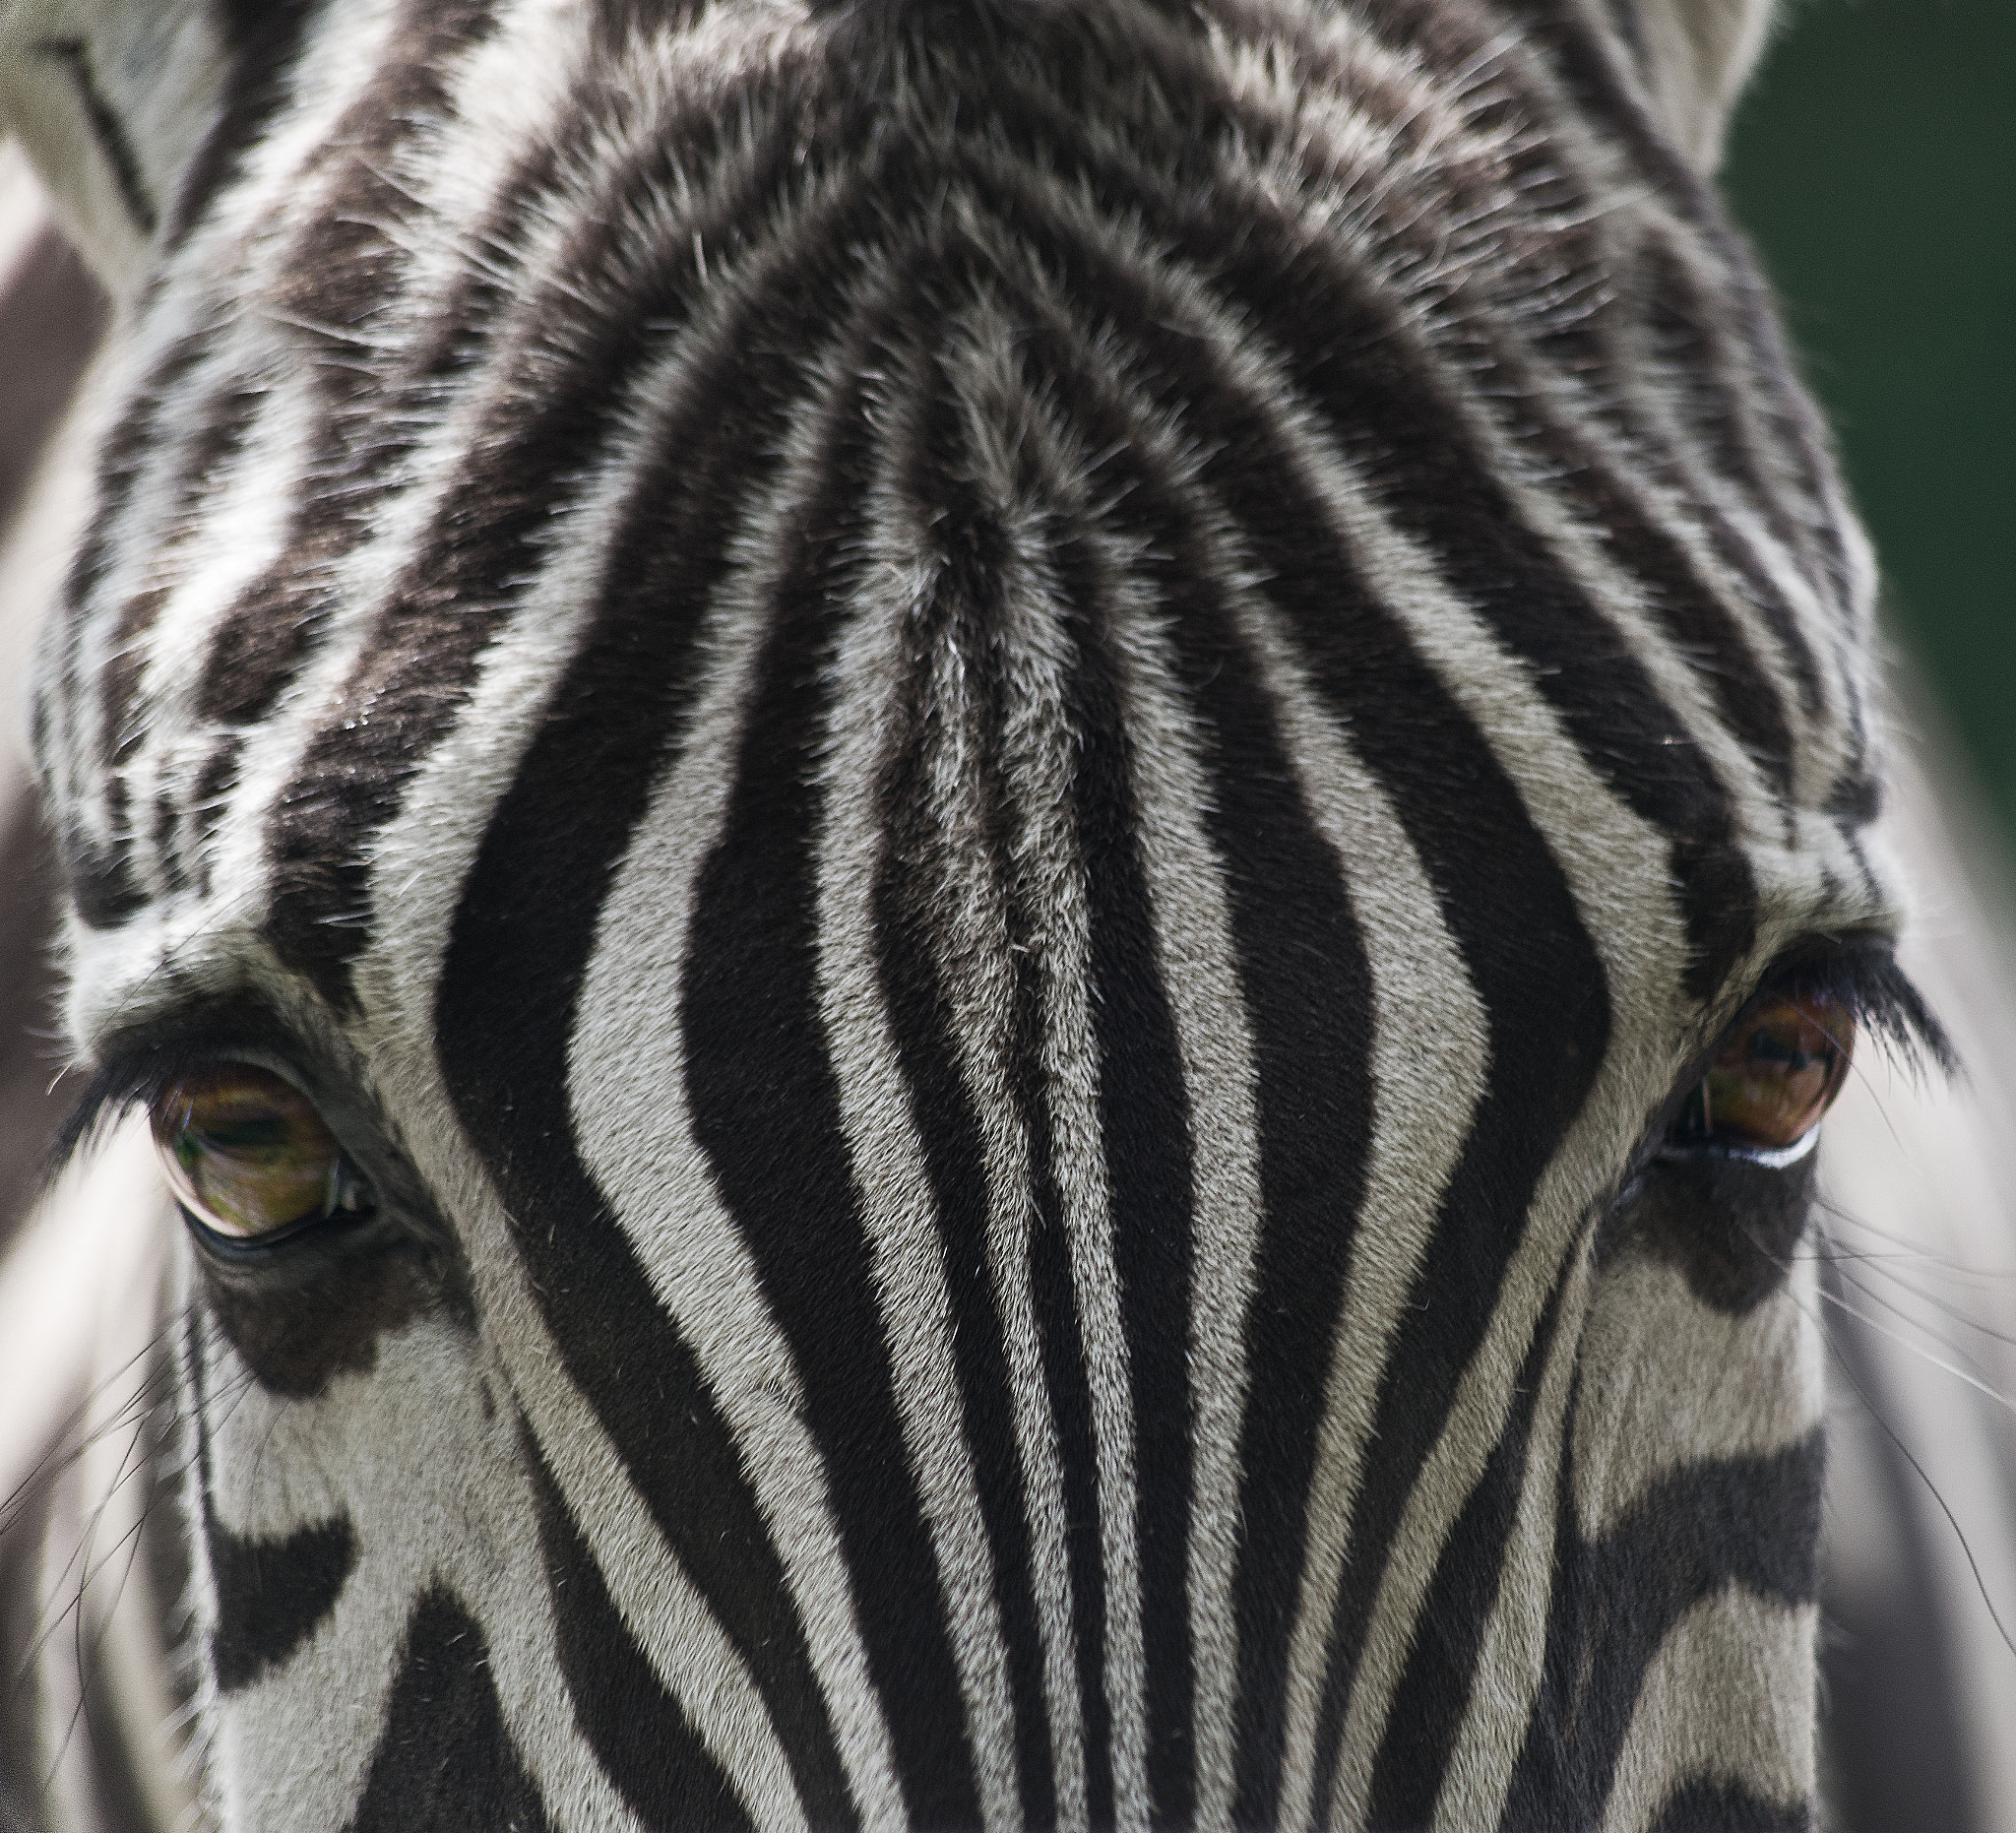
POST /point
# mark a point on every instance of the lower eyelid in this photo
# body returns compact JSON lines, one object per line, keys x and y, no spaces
{"x":1770,"y":1158}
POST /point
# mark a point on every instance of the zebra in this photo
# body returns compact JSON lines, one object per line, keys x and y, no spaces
{"x":985,"y":873}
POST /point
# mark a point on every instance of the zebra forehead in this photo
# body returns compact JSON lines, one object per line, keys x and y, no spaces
{"x":464,"y":409}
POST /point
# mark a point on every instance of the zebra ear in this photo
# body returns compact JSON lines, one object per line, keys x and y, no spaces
{"x":111,"y":100}
{"x":1694,"y":57}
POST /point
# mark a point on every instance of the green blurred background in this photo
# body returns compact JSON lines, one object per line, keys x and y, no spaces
{"x":1874,"y":164}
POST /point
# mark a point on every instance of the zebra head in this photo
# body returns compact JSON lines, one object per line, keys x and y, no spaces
{"x":984,"y":872}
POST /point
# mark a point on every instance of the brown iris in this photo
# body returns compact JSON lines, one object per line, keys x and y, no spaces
{"x":1779,"y":1072}
{"x":247,"y":1155}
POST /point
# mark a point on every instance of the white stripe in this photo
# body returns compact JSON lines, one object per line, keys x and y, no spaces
{"x":975,"y":969}
{"x":1197,"y":965}
{"x":1041,"y":762}
{"x":627,"y":1077}
{"x":885,"y":1150}
{"x":1506,"y":1678}
{"x":1431,"y":1056}
{"x":692,"y":1653}
{"x":1753,"y":1657}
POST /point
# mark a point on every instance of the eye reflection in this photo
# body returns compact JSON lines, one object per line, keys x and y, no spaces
{"x":1776,"y":1077}
{"x":247,"y":1155}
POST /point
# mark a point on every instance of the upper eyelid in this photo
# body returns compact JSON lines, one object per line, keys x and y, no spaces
{"x":1848,"y":981}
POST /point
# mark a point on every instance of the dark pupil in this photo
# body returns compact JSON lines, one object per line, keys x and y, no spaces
{"x":1777,"y":1050}
{"x":265,"y":1133}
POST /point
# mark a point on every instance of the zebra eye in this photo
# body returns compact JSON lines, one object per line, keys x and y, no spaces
{"x":248,"y":1157}
{"x":1779,"y":1073}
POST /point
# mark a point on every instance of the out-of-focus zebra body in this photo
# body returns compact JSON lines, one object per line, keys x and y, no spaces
{"x":1002,"y":762}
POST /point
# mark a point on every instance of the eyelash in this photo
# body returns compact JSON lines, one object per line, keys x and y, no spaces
{"x":1865,"y":980}
{"x":137,"y":1080}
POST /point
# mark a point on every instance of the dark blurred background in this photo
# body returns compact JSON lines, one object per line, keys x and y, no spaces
{"x":1874,"y":164}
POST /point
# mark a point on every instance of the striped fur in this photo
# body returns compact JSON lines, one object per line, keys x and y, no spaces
{"x":1000,"y":763}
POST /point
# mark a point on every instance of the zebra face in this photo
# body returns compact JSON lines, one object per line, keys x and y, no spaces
{"x":982,"y":878}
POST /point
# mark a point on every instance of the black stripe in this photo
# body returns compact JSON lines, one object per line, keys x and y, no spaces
{"x":758,"y":1074}
{"x":1434,"y":1690}
{"x":580,"y":347}
{"x":209,"y":800}
{"x":103,"y":886}
{"x":227,"y":421}
{"x":446,"y":1760}
{"x":164,"y":838}
{"x":638,"y":1731}
{"x":1730,"y":1808}
{"x":1065,"y":1379}
{"x":270,"y":1593}
{"x":1308,"y":995}
{"x":106,"y":127}
{"x":265,"y":38}
{"x":1753,"y":1522}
